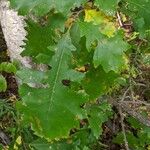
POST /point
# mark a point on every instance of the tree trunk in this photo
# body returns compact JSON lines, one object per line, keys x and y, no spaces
{"x":13,"y":29}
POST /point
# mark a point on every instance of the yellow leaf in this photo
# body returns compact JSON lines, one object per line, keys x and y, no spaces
{"x":108,"y":29}
{"x":107,"y":26}
{"x":148,"y":147}
{"x":18,"y":140}
{"x":94,"y":16}
{"x":81,"y":69}
{"x":15,"y":147}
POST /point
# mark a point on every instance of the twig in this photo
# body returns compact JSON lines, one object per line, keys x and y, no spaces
{"x":123,"y":129}
{"x":124,"y":95}
{"x":5,"y":139}
{"x":125,"y":107}
{"x":127,"y":24}
{"x":136,"y":102}
{"x":131,"y":91}
{"x":103,"y":145}
{"x":122,"y":119}
{"x":119,"y":19}
{"x":135,"y":114}
{"x":141,"y":84}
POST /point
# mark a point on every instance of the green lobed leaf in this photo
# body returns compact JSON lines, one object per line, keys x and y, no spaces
{"x":109,"y":53}
{"x":107,"y":6}
{"x":54,"y":110}
{"x":73,"y":75}
{"x":139,"y":12}
{"x":31,"y":76}
{"x":81,"y":56}
{"x":79,"y":140}
{"x":83,"y":138}
{"x":98,"y":114}
{"x":41,"y":144}
{"x":97,"y":82}
{"x":91,"y":32}
{"x":41,"y":7}
{"x":141,"y":8}
{"x":40,"y":37}
{"x":43,"y":58}
{"x":75,"y":35}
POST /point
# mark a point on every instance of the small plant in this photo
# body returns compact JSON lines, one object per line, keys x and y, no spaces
{"x":139,"y":139}
{"x":8,"y":68}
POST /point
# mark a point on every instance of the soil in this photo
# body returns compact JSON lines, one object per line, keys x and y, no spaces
{"x":11,"y":92}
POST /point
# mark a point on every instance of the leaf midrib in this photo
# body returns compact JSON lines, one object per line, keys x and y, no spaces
{"x":55,"y":81}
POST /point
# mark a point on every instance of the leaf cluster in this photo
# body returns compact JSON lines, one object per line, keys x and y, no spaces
{"x":85,"y":53}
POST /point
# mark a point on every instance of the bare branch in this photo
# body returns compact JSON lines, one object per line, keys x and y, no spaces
{"x":119,"y":19}
{"x":123,"y":128}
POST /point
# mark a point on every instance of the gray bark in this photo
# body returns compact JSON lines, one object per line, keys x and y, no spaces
{"x":13,"y":29}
